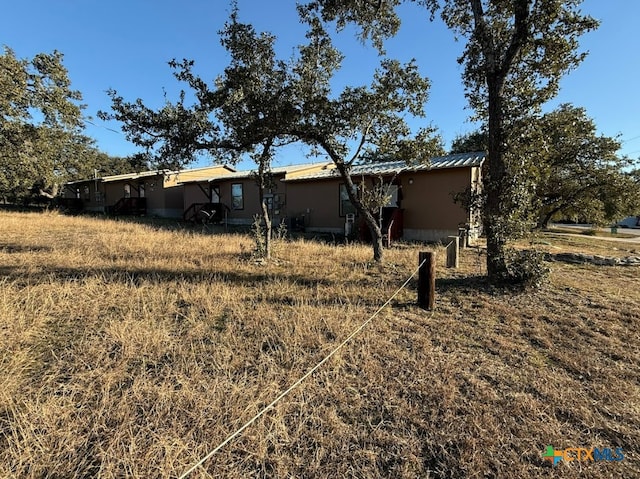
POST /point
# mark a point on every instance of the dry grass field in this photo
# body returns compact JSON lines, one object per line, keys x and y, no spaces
{"x":128,"y":350}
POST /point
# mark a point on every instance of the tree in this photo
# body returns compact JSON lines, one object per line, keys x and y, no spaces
{"x":515,"y":55}
{"x":40,"y":125}
{"x":260,"y":103}
{"x":580,"y":172}
{"x":472,"y":141}
{"x":239,"y":114}
{"x":574,"y":171}
{"x":360,"y":123}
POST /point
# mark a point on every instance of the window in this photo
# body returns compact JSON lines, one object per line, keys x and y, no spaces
{"x":87,"y":193}
{"x":392,"y":192}
{"x":237,"y":199}
{"x":214,"y":193}
{"x":346,"y":207}
{"x":127,"y":191}
{"x":141,"y":190}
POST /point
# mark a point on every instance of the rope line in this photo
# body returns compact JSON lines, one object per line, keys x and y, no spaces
{"x":299,"y":381}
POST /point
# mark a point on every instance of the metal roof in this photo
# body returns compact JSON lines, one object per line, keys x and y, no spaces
{"x":248,"y":173}
{"x":146,"y":174}
{"x":135,"y":176}
{"x":458,"y":160}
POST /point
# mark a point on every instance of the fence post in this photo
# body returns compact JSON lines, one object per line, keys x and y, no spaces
{"x":427,"y":280}
{"x":452,"y":252}
{"x":464,"y":237}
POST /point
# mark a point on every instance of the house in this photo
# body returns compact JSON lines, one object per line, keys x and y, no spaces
{"x":310,"y":197}
{"x":421,"y":202}
{"x":157,"y":192}
{"x":233,"y":197}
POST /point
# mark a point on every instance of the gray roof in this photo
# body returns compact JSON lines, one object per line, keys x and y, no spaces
{"x":458,"y":160}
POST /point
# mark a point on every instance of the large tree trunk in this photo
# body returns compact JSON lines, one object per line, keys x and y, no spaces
{"x":374,"y":227}
{"x":545,"y":218}
{"x":495,"y":218}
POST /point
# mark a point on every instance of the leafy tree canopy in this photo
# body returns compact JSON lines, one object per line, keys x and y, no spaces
{"x":580,"y":173}
{"x":41,"y":140}
{"x":261,"y":102}
{"x":573,"y":172}
{"x":472,"y":141}
{"x":515,"y":54}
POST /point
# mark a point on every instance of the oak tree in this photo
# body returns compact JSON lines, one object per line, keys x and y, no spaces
{"x":580,"y":172}
{"x":515,"y":54}
{"x":260,"y":103}
{"x":40,"y":126}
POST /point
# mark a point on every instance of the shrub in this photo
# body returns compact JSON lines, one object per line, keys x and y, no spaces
{"x":526,"y":268}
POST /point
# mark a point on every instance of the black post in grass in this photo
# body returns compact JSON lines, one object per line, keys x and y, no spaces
{"x":453,"y":252}
{"x":427,"y":280}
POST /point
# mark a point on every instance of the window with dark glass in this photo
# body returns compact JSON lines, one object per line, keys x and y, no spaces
{"x":346,"y":207}
{"x":237,"y":199}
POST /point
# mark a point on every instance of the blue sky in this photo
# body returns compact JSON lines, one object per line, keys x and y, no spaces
{"x":126,"y":44}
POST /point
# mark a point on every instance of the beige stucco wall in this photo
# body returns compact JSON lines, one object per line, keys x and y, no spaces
{"x":172,"y":203}
{"x":193,"y":193}
{"x":113,"y":192}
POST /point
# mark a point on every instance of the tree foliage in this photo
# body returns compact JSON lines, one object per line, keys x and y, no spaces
{"x":260,"y":103}
{"x":472,"y":141}
{"x":41,"y":140}
{"x":574,"y":172}
{"x":580,"y":173}
{"x":515,"y":55}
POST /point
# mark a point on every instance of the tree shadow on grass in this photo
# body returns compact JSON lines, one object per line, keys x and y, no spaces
{"x":251,"y":280}
{"x":137,"y":276}
{"x":464,"y":284}
{"x":480,"y":283}
{"x":173,"y":224}
{"x":12,"y":248}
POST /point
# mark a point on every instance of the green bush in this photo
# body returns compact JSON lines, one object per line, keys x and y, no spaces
{"x":526,"y":268}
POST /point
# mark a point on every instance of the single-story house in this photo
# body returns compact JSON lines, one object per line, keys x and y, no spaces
{"x":157,"y":192}
{"x":233,"y":197}
{"x":421,"y":202}
{"x":311,"y":196}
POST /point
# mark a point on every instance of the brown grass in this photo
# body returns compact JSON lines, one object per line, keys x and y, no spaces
{"x":132,"y":351}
